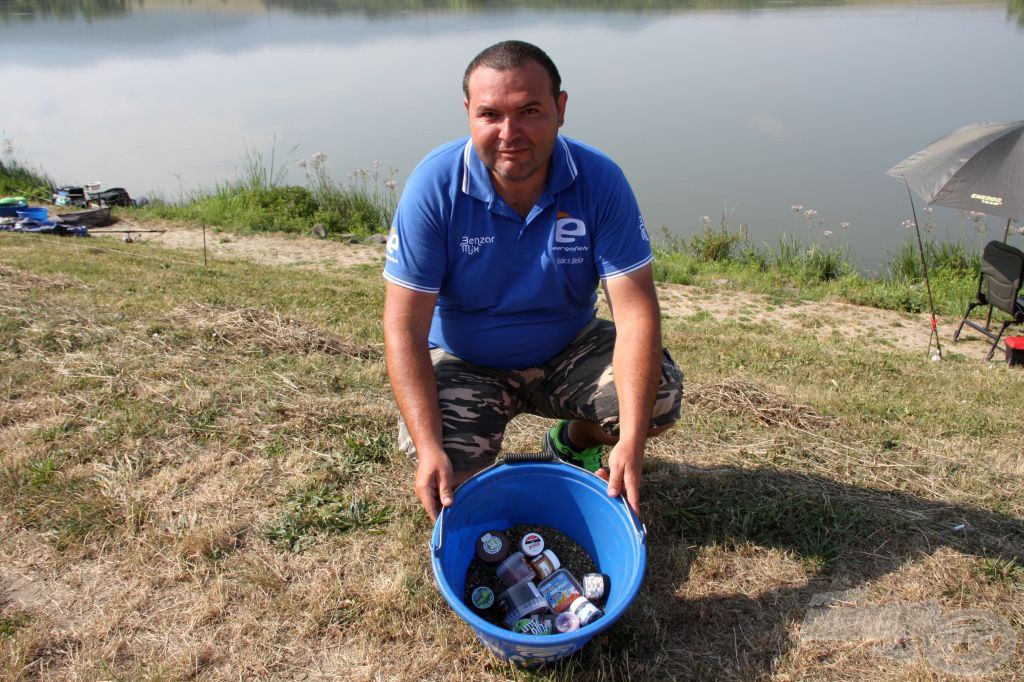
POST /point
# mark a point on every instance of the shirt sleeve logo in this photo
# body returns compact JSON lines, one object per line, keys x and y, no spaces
{"x":567,"y":228}
{"x":392,"y":246}
{"x":643,"y":230}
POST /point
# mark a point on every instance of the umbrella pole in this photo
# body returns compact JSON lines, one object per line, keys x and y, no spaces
{"x":927,"y":281}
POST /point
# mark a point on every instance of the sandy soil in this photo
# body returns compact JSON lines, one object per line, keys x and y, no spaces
{"x":832,"y":320}
{"x":270,"y":250}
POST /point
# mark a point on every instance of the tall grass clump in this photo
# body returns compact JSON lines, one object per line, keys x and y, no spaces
{"x":953,"y":269}
{"x":716,"y":245}
{"x":955,"y":257}
{"x":19,"y":179}
{"x":808,"y":263}
{"x":366,"y":204}
{"x":261,"y":200}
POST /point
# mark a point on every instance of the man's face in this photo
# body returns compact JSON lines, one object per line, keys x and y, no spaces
{"x":514,"y":119}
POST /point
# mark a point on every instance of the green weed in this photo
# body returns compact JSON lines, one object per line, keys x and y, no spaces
{"x":68,"y":509}
{"x":13,"y":621}
{"x":374,"y":448}
{"x":1007,"y":572}
{"x":58,"y":432}
{"x":320,"y":509}
{"x":714,"y":245}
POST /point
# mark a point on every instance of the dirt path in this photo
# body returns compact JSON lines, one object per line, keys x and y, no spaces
{"x":270,"y":250}
{"x":832,"y":321}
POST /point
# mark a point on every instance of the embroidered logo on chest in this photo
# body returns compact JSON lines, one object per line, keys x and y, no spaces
{"x":472,"y":245}
{"x":568,"y":229}
{"x":571,"y":242}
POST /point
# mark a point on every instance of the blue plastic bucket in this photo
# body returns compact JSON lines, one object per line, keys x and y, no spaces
{"x":10,"y":209}
{"x":34,"y":212}
{"x":547,"y":493}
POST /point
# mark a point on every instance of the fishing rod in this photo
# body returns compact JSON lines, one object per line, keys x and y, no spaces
{"x":104,"y":230}
{"x":927,"y":282}
{"x":35,"y":196}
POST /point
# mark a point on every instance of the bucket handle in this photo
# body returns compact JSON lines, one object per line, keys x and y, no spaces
{"x":519,"y":457}
{"x":640,"y":527}
{"x":435,"y":549}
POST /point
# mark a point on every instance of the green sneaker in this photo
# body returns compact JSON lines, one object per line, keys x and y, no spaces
{"x":589,"y":458}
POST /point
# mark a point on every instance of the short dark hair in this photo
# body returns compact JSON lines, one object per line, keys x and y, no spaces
{"x":512,"y":54}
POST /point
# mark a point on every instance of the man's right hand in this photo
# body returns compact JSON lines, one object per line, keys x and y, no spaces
{"x":435,"y":484}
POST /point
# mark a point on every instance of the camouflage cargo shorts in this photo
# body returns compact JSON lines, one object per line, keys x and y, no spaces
{"x":478,"y":402}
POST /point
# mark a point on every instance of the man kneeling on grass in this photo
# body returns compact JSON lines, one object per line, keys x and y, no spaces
{"x":497,"y":249}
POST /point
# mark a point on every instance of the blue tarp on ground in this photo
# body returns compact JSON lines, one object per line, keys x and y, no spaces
{"x":44,"y":227}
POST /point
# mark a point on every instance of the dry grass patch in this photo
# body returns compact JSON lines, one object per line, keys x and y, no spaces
{"x":250,"y":329}
{"x":744,"y":397}
{"x":12,"y":279}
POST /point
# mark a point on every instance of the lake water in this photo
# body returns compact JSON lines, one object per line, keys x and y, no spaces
{"x":710,"y":109}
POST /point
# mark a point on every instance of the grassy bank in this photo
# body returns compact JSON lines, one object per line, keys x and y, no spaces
{"x":809,"y":270}
{"x":199,"y":479}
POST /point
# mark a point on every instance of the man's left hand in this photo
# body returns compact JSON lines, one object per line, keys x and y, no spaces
{"x":625,"y":466}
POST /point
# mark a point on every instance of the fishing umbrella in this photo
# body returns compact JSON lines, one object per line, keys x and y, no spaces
{"x":979,"y":167}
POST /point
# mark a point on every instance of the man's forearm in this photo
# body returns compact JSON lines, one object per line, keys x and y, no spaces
{"x":636,"y":359}
{"x":636,"y":367}
{"x":415,"y":390}
{"x":407,"y":316}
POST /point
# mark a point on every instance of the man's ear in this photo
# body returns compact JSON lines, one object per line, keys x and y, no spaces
{"x":465,"y":103}
{"x":563,"y":97}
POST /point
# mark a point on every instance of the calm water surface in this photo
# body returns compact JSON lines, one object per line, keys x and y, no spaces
{"x":745,"y":112}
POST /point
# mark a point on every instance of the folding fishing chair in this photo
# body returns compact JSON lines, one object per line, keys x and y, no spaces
{"x":999,"y":285}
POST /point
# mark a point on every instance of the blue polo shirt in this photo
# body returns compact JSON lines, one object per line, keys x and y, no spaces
{"x":512,"y":293}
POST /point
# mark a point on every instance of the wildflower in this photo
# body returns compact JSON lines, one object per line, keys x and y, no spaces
{"x":1020,"y":230}
{"x":810,"y":214}
{"x":976,"y":215}
{"x":796,"y":208}
{"x":908,"y":224}
{"x":390,"y":184}
{"x":929,"y":209}
{"x":827,"y":233}
{"x":705,"y":219}
{"x":844,"y":224}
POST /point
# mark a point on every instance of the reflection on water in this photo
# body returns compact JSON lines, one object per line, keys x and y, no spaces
{"x":1015,"y":8}
{"x":95,"y":9}
{"x":739,"y":110}
{"x":28,"y":10}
